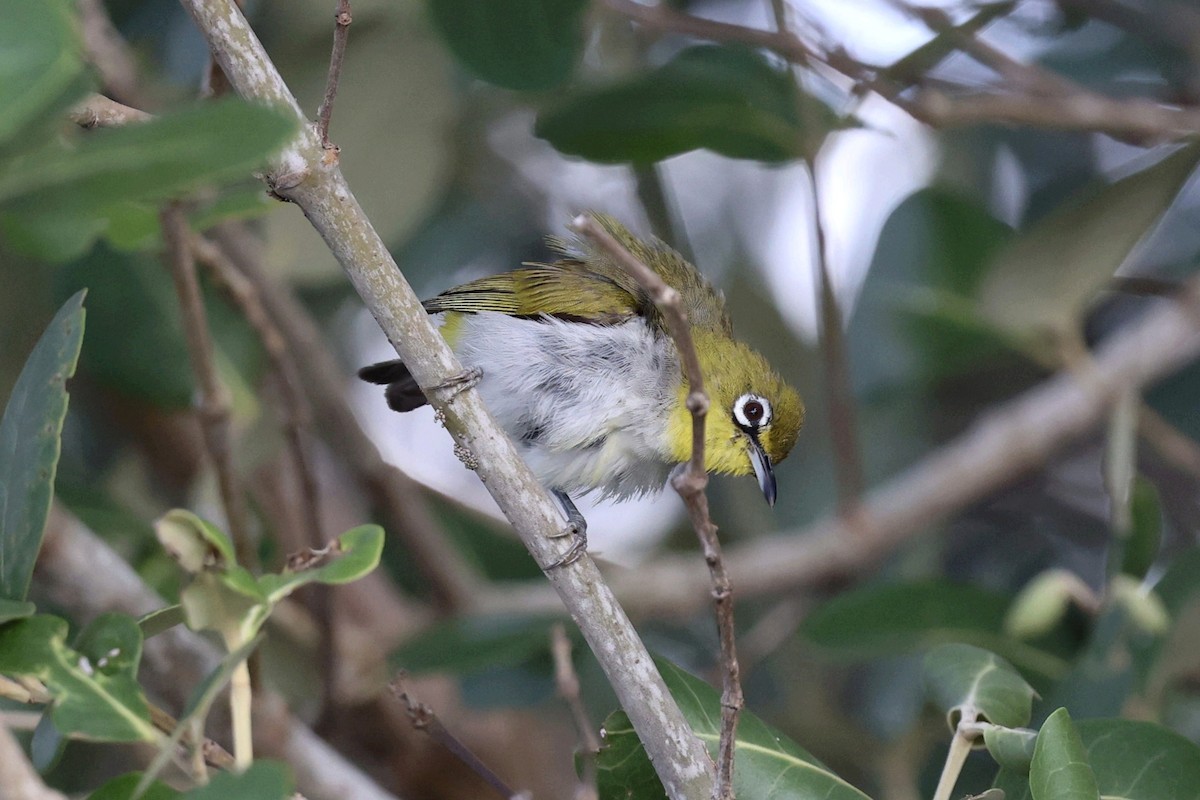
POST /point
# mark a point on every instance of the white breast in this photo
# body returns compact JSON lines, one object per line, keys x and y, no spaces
{"x":586,"y":403}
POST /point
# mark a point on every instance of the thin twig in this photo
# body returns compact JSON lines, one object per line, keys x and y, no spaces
{"x":999,"y":448}
{"x":301,"y":173}
{"x":214,"y":754}
{"x":425,"y":720}
{"x":1133,"y":120}
{"x":214,"y":404}
{"x":690,"y":483}
{"x":341,"y":32}
{"x":568,"y":689}
{"x":297,"y":423}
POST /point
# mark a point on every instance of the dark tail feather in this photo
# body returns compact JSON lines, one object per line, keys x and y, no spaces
{"x":402,"y":393}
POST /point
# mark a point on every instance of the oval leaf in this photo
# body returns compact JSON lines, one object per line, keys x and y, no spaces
{"x":768,"y":765}
{"x":517,"y":44}
{"x":1130,"y":760}
{"x":1012,"y":748}
{"x":726,"y":99}
{"x":961,"y":679}
{"x":351,"y":556}
{"x":1060,"y":768}
{"x":1044,"y":279}
{"x":30,"y":442}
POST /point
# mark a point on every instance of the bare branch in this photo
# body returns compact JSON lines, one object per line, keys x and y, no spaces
{"x":999,"y":448}
{"x":214,"y":403}
{"x":425,"y":720}
{"x":690,"y":483}
{"x":302,"y":176}
{"x":341,"y":32}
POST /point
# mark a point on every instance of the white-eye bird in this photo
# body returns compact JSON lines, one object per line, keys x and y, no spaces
{"x":575,"y":363}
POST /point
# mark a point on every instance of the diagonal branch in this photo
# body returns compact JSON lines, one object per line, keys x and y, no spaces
{"x":301,"y":175}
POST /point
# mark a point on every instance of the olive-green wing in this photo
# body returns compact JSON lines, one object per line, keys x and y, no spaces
{"x":566,"y":289}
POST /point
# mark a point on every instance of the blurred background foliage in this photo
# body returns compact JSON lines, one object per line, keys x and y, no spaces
{"x":965,"y":262}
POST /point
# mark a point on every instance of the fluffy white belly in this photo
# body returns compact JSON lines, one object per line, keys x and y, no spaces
{"x":587,"y":404}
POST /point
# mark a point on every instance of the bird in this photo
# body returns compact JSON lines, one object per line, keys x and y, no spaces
{"x":574,"y":361}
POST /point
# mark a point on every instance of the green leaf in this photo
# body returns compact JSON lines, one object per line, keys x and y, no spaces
{"x":1012,"y":748}
{"x":769,"y":766}
{"x":30,"y":434}
{"x":1060,"y":768}
{"x":95,"y":688}
{"x":47,"y":744}
{"x":517,"y":44}
{"x":162,"y":620}
{"x":229,"y":603}
{"x":902,"y":618}
{"x":351,"y":556}
{"x":723,"y":98}
{"x":75,"y":185}
{"x":965,"y":680}
{"x":1043,"y":281}
{"x":469,"y":644}
{"x":1144,"y":539}
{"x":122,"y":788}
{"x":41,"y":66}
{"x":135,"y":226}
{"x":263,"y":780}
{"x":15,"y":609}
{"x":196,"y":544}
{"x":1130,"y":760}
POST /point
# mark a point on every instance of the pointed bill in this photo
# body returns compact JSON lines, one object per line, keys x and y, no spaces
{"x":762,"y":470}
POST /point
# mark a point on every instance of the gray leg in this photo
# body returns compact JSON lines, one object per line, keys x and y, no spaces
{"x":576,"y":528}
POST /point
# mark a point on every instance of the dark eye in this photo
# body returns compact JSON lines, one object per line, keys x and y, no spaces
{"x":751,"y":411}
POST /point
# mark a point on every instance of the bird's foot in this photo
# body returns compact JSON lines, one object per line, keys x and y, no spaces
{"x":576,"y":528}
{"x":457,"y":384}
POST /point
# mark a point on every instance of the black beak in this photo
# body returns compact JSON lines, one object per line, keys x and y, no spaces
{"x":762,"y":470}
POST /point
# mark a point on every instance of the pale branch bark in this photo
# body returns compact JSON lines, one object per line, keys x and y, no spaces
{"x":453,"y":582}
{"x":341,"y":32}
{"x":98,"y":111}
{"x":214,"y":406}
{"x":77,"y":571}
{"x":690,"y":484}
{"x":998,"y":449}
{"x":301,"y":175}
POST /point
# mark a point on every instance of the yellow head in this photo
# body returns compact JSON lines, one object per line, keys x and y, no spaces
{"x":754,"y":417}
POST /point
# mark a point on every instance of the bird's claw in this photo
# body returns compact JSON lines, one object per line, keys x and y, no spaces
{"x":578,"y":549}
{"x":457,"y":384}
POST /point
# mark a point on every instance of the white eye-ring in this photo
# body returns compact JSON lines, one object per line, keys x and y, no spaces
{"x":752,"y":411}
